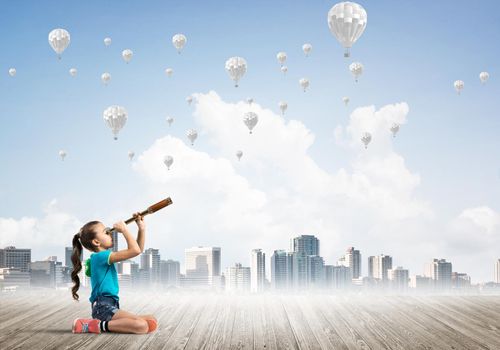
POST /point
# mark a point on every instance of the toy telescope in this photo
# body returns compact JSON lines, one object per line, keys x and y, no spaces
{"x":152,"y":209}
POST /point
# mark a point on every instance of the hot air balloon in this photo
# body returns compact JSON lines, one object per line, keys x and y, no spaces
{"x":107,"y":41}
{"x":236,"y":68}
{"x":191,"y":135}
{"x":284,"y":69}
{"x":304,"y":83}
{"x":239,"y":154}
{"x":127,"y":55}
{"x":12,"y":72}
{"x":459,"y":85}
{"x":250,"y":119}
{"x":346,"y":100}
{"x":366,"y":138}
{"x":281,"y":56}
{"x":189,"y":99}
{"x":115,"y":117}
{"x":394,"y":129}
{"x":131,"y":155}
{"x":169,"y":72}
{"x":59,"y":40}
{"x":168,"y":161}
{"x":484,"y":76}
{"x":283,"y":106}
{"x":105,"y":78}
{"x":307,"y":48}
{"x":179,"y":40}
{"x":73,"y":72}
{"x":356,"y":69}
{"x":347,"y":21}
{"x":249,"y":101}
{"x":62,"y":154}
{"x":170,"y":120}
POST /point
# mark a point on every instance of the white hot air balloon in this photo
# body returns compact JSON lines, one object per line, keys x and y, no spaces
{"x":366,"y":138}
{"x":239,"y":154}
{"x":170,"y":120}
{"x":131,"y":155}
{"x":281,"y":56}
{"x":192,"y":135}
{"x":394,"y":129}
{"x":107,"y":41}
{"x":347,"y":21}
{"x":12,"y":72}
{"x":284,"y":69}
{"x":115,"y":117}
{"x":179,"y":40}
{"x":189,"y":99}
{"x":304,"y":83}
{"x":62,"y":154}
{"x":283,"y":106}
{"x":346,"y":100}
{"x":105,"y":78}
{"x":484,"y":76}
{"x":73,"y":72}
{"x":169,"y":72}
{"x":250,"y":119}
{"x":307,"y":48}
{"x":356,"y":69}
{"x":127,"y":55}
{"x":459,"y":86}
{"x":236,"y":67}
{"x":59,"y":40}
{"x":168,"y":161}
{"x":249,"y":101}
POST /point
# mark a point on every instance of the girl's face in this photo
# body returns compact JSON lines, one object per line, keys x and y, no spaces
{"x":102,"y":238}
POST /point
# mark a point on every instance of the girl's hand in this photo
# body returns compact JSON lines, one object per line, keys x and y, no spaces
{"x":120,"y":226}
{"x":139,"y":220}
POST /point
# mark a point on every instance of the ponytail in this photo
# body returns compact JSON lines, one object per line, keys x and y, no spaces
{"x":77,"y":264}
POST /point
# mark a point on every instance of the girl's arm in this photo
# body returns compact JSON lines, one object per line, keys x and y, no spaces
{"x":133,"y":248}
{"x":141,"y":232}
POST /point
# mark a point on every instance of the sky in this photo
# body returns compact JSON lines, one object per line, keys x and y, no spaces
{"x":433,"y":191}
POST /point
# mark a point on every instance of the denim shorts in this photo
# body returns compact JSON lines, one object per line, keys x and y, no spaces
{"x":104,"y":307}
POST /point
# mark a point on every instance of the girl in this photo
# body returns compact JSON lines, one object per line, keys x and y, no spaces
{"x":106,"y":313}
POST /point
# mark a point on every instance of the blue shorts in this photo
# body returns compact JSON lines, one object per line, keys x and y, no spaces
{"x":104,"y":307}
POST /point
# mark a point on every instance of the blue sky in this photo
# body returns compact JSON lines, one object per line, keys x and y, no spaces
{"x":412,"y":52}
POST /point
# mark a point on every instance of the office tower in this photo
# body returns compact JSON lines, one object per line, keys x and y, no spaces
{"x":398,"y":278}
{"x":258,"y":271}
{"x":305,"y":244}
{"x":203,"y":266}
{"x":238,"y":278}
{"x":170,"y":273}
{"x":281,"y":270}
{"x":439,"y":270}
{"x":13,"y":278}
{"x":315,"y":271}
{"x":43,"y":274}
{"x":352,"y":259}
{"x":371,"y":263}
{"x":460,"y":280}
{"x":380,"y":265}
{"x":16,"y":258}
{"x":421,"y":283}
{"x":496,"y":278}
{"x":132,"y":269}
{"x":300,"y":273}
{"x":338,"y":277}
{"x":150,"y":263}
{"x":114,"y":238}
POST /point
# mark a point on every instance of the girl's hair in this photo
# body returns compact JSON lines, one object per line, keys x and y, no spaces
{"x":83,"y":237}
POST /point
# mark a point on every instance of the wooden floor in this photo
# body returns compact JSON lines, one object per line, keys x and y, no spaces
{"x":43,"y":320}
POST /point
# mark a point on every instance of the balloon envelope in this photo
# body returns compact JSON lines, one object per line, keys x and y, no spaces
{"x":347,"y":21}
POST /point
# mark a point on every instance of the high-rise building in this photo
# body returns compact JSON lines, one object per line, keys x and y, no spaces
{"x":315,"y":271}
{"x":497,"y":271}
{"x":281,"y":270}
{"x":130,"y":268}
{"x":43,"y":274}
{"x":352,"y":260}
{"x":338,"y":277}
{"x":371,"y":263}
{"x":300,"y":273}
{"x":258,"y":271}
{"x":238,"y":278}
{"x":13,"y":278}
{"x":439,"y":270}
{"x":460,"y":280}
{"x":398,"y":278}
{"x":305,"y":244}
{"x":203,"y":266}
{"x":379,"y":266}
{"x":150,"y":261}
{"x":114,"y":238}
{"x":421,"y":283}
{"x":170,"y":273}
{"x":16,"y":258}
